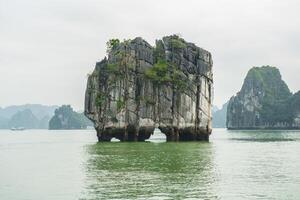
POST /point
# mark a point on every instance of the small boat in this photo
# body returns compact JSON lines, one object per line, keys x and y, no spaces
{"x":17,"y":128}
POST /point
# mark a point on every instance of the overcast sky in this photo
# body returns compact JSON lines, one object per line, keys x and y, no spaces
{"x":47,"y":47}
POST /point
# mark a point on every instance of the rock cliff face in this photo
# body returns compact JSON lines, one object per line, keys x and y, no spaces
{"x":264,"y":102}
{"x":140,"y":87}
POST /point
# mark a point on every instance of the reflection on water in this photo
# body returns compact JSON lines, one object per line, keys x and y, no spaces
{"x":70,"y":165}
{"x":149,"y":170}
{"x":233,"y":165}
{"x":263,"y":135}
{"x":257,"y":164}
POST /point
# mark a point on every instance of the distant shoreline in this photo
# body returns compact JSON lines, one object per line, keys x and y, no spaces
{"x":267,"y":128}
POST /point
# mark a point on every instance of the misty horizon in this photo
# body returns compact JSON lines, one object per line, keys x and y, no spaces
{"x":49,"y":47}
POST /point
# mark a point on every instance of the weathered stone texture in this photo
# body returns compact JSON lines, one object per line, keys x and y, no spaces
{"x":182,"y":115}
{"x":264,"y":102}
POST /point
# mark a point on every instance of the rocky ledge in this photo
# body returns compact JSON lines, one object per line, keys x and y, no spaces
{"x":138,"y":88}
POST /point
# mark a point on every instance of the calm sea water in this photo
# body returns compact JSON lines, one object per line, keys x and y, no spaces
{"x":44,"y":165}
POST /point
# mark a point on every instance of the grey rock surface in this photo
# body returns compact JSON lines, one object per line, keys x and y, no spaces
{"x":264,"y":102}
{"x":138,"y":88}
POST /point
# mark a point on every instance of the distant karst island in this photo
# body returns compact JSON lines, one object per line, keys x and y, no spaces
{"x":219,"y":116}
{"x":38,"y":116}
{"x":27,"y":116}
{"x":138,"y":87}
{"x":66,"y":118}
{"x":264,"y":102}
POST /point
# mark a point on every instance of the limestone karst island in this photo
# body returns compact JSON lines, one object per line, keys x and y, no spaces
{"x":264,"y":102}
{"x":149,"y":100}
{"x":139,"y":87}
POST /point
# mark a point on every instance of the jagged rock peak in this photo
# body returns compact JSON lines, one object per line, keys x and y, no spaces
{"x":263,"y":102}
{"x":139,"y":87}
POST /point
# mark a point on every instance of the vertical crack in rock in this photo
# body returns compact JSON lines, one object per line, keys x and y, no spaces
{"x":139,"y":87}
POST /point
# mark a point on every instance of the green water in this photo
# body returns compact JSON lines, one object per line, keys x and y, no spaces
{"x":71,"y":165}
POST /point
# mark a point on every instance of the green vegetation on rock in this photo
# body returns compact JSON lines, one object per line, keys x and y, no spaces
{"x":112,"y":43}
{"x":177,"y":42}
{"x":164,"y":72}
{"x":159,"y":52}
{"x":66,"y":118}
{"x":159,"y":72}
{"x":264,"y":101}
{"x":138,"y":84}
{"x":276,"y":94}
{"x":270,"y":80}
{"x":100,"y":99}
{"x":120,"y":104}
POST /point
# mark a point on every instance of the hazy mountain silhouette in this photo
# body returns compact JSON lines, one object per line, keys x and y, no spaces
{"x":33,"y":116}
{"x":28,"y":116}
{"x":219,"y":116}
{"x":38,"y":110}
{"x":24,"y":118}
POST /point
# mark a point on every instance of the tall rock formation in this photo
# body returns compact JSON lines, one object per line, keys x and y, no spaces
{"x":66,"y":118}
{"x":264,"y":102}
{"x":139,"y":87}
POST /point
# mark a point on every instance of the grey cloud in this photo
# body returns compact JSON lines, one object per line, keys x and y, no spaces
{"x":48,"y":47}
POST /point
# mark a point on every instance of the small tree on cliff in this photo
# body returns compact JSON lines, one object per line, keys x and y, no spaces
{"x":112,"y":44}
{"x":166,"y":71}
